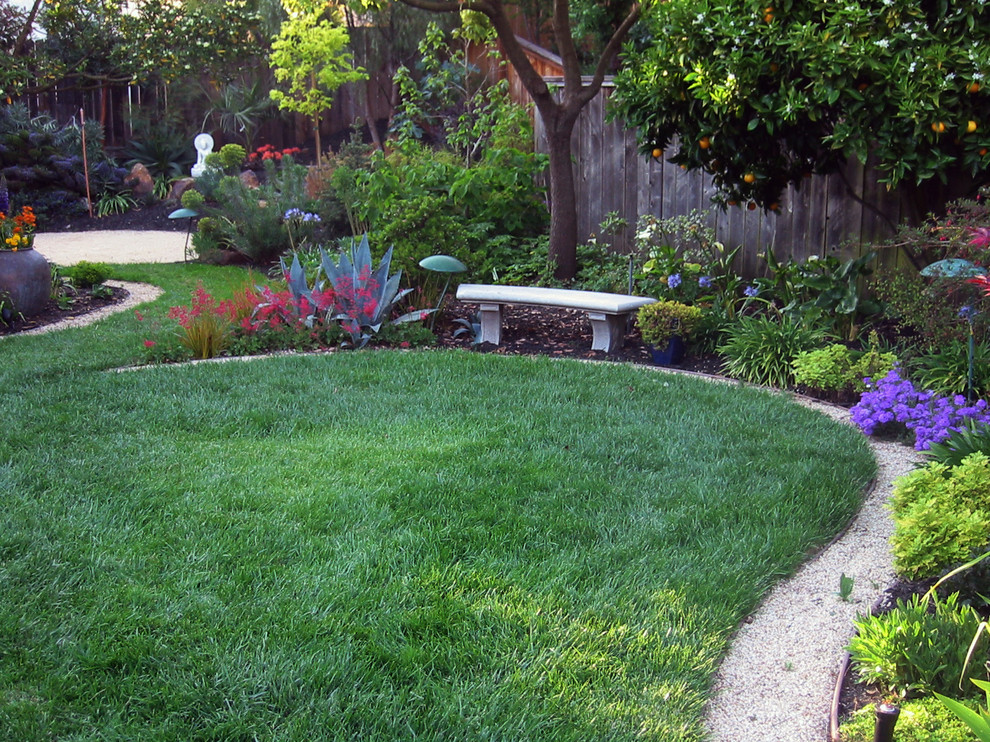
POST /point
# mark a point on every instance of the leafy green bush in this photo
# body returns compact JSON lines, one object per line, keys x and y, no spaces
{"x":166,"y":151}
{"x":252,"y":220}
{"x":946,"y":371}
{"x":920,"y":720}
{"x":85,"y":274}
{"x":941,"y":516}
{"x":479,"y":206}
{"x":839,"y":368}
{"x":761,"y":350}
{"x":918,"y":648}
{"x":974,"y":438}
{"x":418,"y":227}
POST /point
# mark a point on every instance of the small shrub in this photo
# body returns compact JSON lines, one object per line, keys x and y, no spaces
{"x":838,"y":368}
{"x":941,"y":516}
{"x":917,"y":648}
{"x":85,"y":274}
{"x":761,"y":351}
{"x":660,"y":321}
{"x":192,"y":199}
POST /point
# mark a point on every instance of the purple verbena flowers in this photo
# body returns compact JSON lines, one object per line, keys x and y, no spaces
{"x":893,"y":400}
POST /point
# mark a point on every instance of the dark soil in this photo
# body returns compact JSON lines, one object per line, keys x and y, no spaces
{"x":149,"y":217}
{"x":81,"y":303}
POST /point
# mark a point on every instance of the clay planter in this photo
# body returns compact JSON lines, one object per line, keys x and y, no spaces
{"x":25,"y":281}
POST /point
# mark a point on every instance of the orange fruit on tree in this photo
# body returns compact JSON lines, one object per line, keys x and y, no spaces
{"x":971,"y":126}
{"x":751,"y":206}
{"x":704,"y":142}
{"x":983,"y":152}
{"x":775,"y":206}
{"x":974,"y":87}
{"x":749,"y":178}
{"x":938,"y":127}
{"x":657,"y":153}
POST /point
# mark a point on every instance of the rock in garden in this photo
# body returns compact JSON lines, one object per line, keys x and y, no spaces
{"x":139,"y":180}
{"x":179,"y":187}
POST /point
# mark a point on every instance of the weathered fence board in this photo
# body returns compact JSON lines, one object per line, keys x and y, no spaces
{"x":819,"y":217}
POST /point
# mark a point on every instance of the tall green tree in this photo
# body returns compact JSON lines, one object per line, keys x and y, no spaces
{"x":559,"y":109}
{"x":762,"y":94}
{"x":310,"y":57}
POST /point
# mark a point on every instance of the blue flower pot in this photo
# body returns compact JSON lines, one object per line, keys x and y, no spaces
{"x":671,"y":354}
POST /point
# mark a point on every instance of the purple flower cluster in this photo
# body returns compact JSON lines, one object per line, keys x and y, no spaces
{"x":303,"y":216}
{"x":933,"y":419}
{"x":674,"y":280}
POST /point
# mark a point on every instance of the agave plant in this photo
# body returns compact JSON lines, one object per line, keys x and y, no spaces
{"x":364,"y":297}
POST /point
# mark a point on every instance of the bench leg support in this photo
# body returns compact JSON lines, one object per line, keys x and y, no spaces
{"x":609,"y":331}
{"x":491,"y":323}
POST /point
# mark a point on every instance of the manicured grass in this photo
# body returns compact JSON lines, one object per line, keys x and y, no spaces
{"x":386,"y":545}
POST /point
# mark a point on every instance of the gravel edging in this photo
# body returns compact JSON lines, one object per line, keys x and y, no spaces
{"x":137,"y":293}
{"x":778,"y":678}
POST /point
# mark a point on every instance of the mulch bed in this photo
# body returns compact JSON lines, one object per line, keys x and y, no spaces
{"x":81,"y":304}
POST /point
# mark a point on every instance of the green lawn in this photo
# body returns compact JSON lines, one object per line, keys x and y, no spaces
{"x":385,"y":545}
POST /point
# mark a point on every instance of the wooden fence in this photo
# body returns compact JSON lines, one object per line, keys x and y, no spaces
{"x":820,"y":217}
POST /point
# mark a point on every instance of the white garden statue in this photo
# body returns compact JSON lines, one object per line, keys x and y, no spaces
{"x":204,"y":146}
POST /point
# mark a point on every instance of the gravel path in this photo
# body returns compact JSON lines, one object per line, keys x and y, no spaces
{"x":777,"y":681}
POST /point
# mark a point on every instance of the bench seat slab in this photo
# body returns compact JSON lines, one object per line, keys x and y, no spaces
{"x":608,"y":313}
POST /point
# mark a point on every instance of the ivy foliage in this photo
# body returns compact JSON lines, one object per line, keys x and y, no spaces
{"x":763,"y":94}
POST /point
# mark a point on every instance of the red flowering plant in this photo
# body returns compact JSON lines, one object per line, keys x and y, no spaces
{"x":257,"y":159}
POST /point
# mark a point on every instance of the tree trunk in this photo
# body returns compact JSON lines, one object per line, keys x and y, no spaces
{"x":563,"y":203}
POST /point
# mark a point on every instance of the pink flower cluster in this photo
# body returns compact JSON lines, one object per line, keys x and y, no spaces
{"x":202,"y":304}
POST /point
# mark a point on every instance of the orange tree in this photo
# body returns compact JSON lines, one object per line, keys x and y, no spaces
{"x":762,"y":94}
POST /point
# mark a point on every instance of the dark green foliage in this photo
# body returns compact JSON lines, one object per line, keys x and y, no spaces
{"x":946,"y":371}
{"x":85,"y":274}
{"x":761,"y":350}
{"x":973,"y":438}
{"x":39,"y":156}
{"x":166,"y":152}
{"x":251,"y":220}
{"x":919,"y":647}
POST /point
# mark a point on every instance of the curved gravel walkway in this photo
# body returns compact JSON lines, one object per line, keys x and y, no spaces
{"x":777,"y":681}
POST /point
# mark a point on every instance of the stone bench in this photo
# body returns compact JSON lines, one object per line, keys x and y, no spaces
{"x":608,"y":312}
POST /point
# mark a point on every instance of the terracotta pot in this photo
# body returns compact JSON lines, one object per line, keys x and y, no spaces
{"x":25,"y":281}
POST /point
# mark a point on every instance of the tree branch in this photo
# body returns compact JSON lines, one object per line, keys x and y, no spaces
{"x":22,"y":37}
{"x":609,"y":53}
{"x":565,"y":45}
